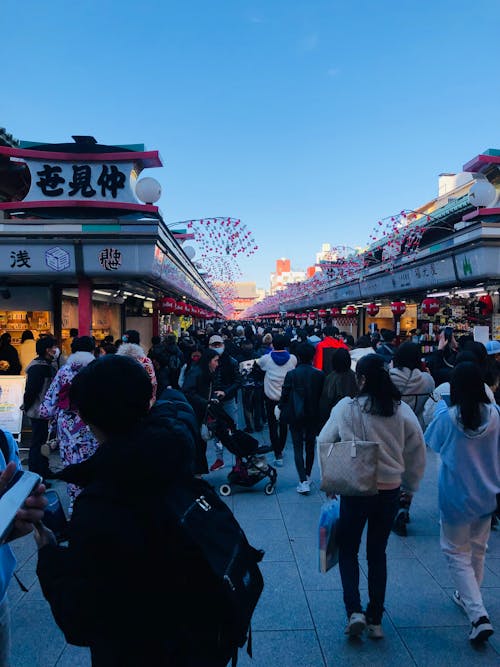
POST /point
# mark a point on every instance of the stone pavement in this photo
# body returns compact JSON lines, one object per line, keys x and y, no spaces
{"x":300,"y":618}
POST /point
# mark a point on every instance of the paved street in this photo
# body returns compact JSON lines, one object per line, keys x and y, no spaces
{"x":300,"y":618}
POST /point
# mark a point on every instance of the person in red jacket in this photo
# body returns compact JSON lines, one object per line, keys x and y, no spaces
{"x":326,"y":347}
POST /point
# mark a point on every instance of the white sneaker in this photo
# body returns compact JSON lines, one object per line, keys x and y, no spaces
{"x":356,"y":625}
{"x":303,"y":487}
{"x":457,"y":599}
{"x":374,"y":631}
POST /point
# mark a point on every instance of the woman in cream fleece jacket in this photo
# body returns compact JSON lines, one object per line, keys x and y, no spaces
{"x":378,"y":415}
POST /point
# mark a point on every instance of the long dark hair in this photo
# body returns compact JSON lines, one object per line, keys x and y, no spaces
{"x":204,"y":361}
{"x":467,"y":393}
{"x":382,"y":392}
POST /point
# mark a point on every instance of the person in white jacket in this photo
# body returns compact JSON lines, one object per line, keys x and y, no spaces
{"x":467,"y":437}
{"x":276,"y":365}
{"x":377,"y":414}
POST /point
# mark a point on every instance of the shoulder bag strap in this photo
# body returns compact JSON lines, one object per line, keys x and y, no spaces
{"x":360,"y":416}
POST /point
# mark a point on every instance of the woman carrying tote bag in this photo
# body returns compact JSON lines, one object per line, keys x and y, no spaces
{"x":380,"y":416}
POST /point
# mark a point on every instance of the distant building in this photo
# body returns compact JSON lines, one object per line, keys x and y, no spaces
{"x":246,"y":294}
{"x":285,"y":276}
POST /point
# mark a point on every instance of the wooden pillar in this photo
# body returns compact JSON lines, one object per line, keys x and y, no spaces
{"x":84,"y":306}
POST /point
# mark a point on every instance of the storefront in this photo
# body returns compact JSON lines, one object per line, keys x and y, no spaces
{"x":78,"y":249}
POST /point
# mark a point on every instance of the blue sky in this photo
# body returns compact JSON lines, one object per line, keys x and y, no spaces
{"x":308,"y":120}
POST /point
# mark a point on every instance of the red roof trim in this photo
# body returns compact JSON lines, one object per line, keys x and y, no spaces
{"x":480,"y":212}
{"x":481,"y":161}
{"x":20,"y":205}
{"x":148,"y":158}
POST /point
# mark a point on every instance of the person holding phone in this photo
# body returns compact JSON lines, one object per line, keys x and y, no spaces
{"x":442,"y":361}
{"x":30,"y":513}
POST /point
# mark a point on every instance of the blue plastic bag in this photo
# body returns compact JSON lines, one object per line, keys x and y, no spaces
{"x":328,"y":543}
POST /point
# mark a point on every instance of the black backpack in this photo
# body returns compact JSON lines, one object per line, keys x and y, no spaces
{"x":209,"y":525}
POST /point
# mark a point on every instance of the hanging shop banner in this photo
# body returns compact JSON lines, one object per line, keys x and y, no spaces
{"x":478,"y":263}
{"x":19,"y":258}
{"x":81,"y":181}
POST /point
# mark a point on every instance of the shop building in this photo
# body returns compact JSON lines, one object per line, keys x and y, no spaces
{"x":456,"y":266}
{"x":82,"y":244}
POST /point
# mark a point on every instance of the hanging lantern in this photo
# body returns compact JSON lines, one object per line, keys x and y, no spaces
{"x":167,"y":305}
{"x":179,"y":308}
{"x":350,"y":311}
{"x":372,"y":309}
{"x":398,"y":307}
{"x":430,"y":306}
{"x":334,"y":311}
{"x":486,"y":304}
{"x":290,"y":315}
{"x":302,"y":316}
{"x":322,"y":313}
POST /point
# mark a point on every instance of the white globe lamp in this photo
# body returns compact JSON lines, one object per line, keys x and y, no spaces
{"x":482,"y":193}
{"x":190,"y":251}
{"x":148,"y":190}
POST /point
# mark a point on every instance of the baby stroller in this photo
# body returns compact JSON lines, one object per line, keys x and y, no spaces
{"x":251,"y":466}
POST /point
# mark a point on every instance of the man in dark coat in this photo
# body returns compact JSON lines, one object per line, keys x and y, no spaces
{"x":128,"y":583}
{"x":301,"y":393}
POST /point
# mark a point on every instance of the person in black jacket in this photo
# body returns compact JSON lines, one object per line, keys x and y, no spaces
{"x":302,"y":387}
{"x":9,"y":358}
{"x":126,"y":558}
{"x":39,"y":374}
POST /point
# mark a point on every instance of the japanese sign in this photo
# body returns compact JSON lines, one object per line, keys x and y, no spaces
{"x":78,"y":181}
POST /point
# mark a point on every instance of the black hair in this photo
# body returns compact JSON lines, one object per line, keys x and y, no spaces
{"x":341,"y":360}
{"x":305,"y":352}
{"x":82,"y":344}
{"x":133,"y":336}
{"x":279,"y":341}
{"x":463,"y":340}
{"x":479,"y":351}
{"x":43,"y":344}
{"x":349,"y":340}
{"x":407,"y":355}
{"x":155,"y":340}
{"x":5,"y":339}
{"x":492,"y":375}
{"x":467,"y":393}
{"x":27,"y":335}
{"x":73,"y":332}
{"x":364,"y":341}
{"x":382,"y":393}
{"x":330,"y":330}
{"x":112,"y":393}
{"x":205,"y":359}
{"x":387,"y":335}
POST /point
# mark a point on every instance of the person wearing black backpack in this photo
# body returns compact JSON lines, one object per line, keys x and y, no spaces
{"x":146,"y":578}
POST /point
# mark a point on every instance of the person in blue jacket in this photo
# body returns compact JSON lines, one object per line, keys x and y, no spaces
{"x":467,"y":437}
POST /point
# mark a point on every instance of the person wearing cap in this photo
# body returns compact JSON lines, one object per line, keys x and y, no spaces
{"x":493,"y":349}
{"x":228,"y":381}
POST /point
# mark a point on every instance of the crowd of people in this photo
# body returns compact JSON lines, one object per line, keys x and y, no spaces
{"x":316,"y":383}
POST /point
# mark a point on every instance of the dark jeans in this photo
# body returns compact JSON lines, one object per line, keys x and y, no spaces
{"x":355,"y":511}
{"x":303,"y":436}
{"x":277,"y":430}
{"x":36,"y":461}
{"x":252,"y":407}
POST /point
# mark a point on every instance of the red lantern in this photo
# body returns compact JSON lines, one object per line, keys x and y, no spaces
{"x":334,"y":311}
{"x":398,"y":307}
{"x":167,"y":305}
{"x":486,"y":304}
{"x":322,"y":313}
{"x":350,"y":311}
{"x":303,"y":316}
{"x":430,"y":306}
{"x":290,"y":315}
{"x":372,"y":309}
{"x":179,"y":308}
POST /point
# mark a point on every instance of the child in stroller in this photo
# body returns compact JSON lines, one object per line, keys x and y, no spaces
{"x":250,"y":466}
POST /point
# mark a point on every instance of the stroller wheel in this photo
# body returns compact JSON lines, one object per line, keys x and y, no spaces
{"x":269,"y":489}
{"x":225,"y":490}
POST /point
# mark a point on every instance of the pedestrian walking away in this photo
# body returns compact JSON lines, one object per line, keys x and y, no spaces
{"x":467,"y":437}
{"x":381,"y":417}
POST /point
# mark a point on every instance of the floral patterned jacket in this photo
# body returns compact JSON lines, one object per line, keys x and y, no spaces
{"x":76,"y":441}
